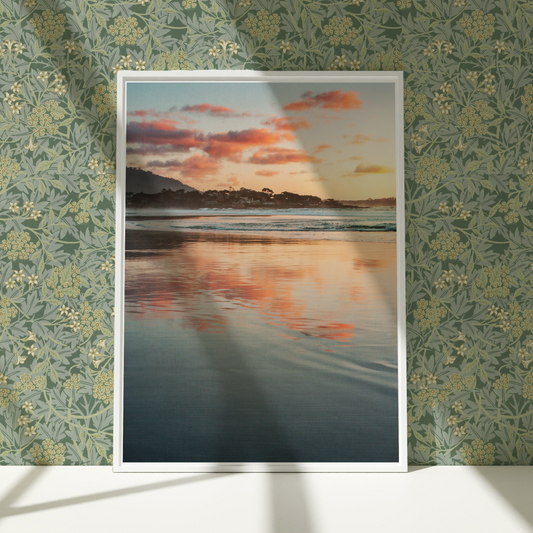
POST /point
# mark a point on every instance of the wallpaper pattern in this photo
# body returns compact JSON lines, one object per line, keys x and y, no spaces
{"x":469,"y":177}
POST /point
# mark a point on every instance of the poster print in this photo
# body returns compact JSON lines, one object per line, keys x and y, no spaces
{"x":260,"y":295}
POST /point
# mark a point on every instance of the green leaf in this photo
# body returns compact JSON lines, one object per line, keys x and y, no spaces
{"x":473,"y":165}
{"x":43,"y":165}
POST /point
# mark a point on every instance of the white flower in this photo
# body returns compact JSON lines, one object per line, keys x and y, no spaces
{"x":445,"y":108}
{"x":106,"y":266}
{"x":126,"y":60}
{"x":488,"y":77}
{"x":285,"y":46}
{"x":460,"y":146}
{"x":32,"y":280}
{"x":31,"y":337}
{"x":465,"y":215}
{"x":60,"y":90}
{"x":500,"y":46}
{"x":93,"y":163}
{"x":75,"y":326}
{"x":448,"y":48}
{"x":30,"y":3}
{"x":460,"y":336}
{"x":431,"y":379}
{"x":32,"y":350}
{"x":494,"y":310}
{"x":16,"y":87}
{"x":429,"y":52}
{"x":109,"y":163}
{"x":459,"y":431}
{"x":116,"y":68}
{"x":444,"y":207}
{"x":355,"y":64}
{"x":31,"y":145}
{"x":522,"y":164}
{"x":232,"y":48}
{"x":10,"y":98}
{"x":415,"y":137}
{"x":472,"y":76}
{"x":18,"y":275}
{"x":522,"y":353}
{"x":71,"y":46}
{"x":23,"y":420}
{"x":245,"y":3}
{"x":31,"y":431}
{"x":341,"y":60}
{"x":459,"y":3}
{"x":59,"y":78}
{"x":461,"y":350}
{"x":14,"y":207}
{"x":10,"y":284}
{"x":489,"y":90}
{"x":452,"y":420}
{"x":28,"y":205}
{"x":458,"y":205}
{"x":440,"y":283}
{"x":27,"y":406}
{"x":448,"y":275}
{"x":36,"y":215}
{"x":142,"y":2}
{"x":18,"y":48}
{"x":214,"y":52}
{"x":140,"y":65}
{"x":462,"y":280}
{"x":3,"y":379}
{"x":43,"y":76}
{"x":439,"y":98}
{"x":446,"y":87}
{"x":415,"y":378}
{"x":63,"y":310}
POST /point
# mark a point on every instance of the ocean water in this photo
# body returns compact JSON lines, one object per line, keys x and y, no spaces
{"x":271,"y":344}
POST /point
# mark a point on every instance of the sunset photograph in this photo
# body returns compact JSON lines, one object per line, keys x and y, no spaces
{"x":260,"y":273}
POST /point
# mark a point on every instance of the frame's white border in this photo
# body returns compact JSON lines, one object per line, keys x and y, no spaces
{"x":271,"y":77}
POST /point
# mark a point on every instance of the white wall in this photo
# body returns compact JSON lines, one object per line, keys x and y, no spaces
{"x":426,"y":500}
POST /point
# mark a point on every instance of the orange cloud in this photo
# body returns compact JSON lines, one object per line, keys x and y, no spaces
{"x":213,"y":110}
{"x":287,"y":123}
{"x":321,"y":147}
{"x":337,"y":100}
{"x":360,"y":138}
{"x":281,"y":156}
{"x":232,"y":143}
{"x":197,"y":166}
{"x":372,"y":169}
{"x":266,"y":173}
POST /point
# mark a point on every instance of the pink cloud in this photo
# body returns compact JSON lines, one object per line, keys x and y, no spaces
{"x":337,"y":100}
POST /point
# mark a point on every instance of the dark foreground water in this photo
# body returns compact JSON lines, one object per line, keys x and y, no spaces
{"x":254,"y":348}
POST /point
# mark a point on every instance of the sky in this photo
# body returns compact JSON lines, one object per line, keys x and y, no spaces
{"x":328,"y":140}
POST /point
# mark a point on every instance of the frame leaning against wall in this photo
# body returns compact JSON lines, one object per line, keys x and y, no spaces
{"x":329,"y":79}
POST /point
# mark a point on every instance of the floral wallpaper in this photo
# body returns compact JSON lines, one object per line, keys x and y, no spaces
{"x":469,"y":177}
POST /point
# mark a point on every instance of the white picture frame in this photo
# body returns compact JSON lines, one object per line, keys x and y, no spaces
{"x":330,"y":79}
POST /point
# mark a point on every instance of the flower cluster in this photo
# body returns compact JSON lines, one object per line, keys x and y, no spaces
{"x":103,"y":387}
{"x":470,"y":120}
{"x":8,"y":396}
{"x":49,"y":454}
{"x":226,"y":47}
{"x":455,"y":382}
{"x":432,"y":397}
{"x":441,"y":98}
{"x":27,"y":210}
{"x":188,"y":4}
{"x":516,"y":320}
{"x":18,"y":245}
{"x":340,"y":31}
{"x":126,"y":31}
{"x":511,"y":209}
{"x":65,"y":281}
{"x":264,"y":26}
{"x":26,"y":383}
{"x":527,"y":389}
{"x":50,"y":26}
{"x":525,"y":356}
{"x":81,"y":207}
{"x":343,"y":63}
{"x":72,"y":383}
{"x":41,"y":119}
{"x":495,"y":281}
{"x":502,"y":383}
{"x":430,"y":170}
{"x":90,"y":320}
{"x":448,"y":245}
{"x":479,"y":454}
{"x":413,"y":105}
{"x":96,"y":356}
{"x":448,"y":276}
{"x":429,"y":313}
{"x":478,"y":26}
{"x":7,"y":311}
{"x":527,"y":98}
{"x":19,"y":276}
{"x":9,"y":170}
{"x":105,"y":98}
{"x":127,"y":63}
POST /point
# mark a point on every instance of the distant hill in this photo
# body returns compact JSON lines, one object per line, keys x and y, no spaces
{"x":138,"y":180}
{"x":378,"y":202}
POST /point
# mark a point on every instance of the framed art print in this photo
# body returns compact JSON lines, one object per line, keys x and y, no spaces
{"x":260,"y":303}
